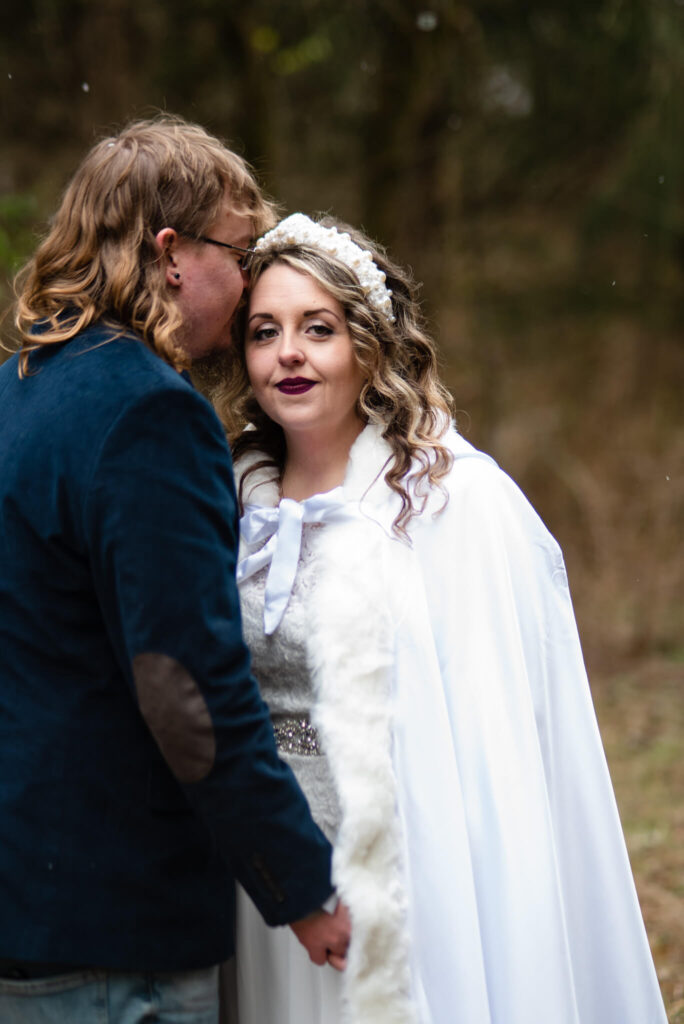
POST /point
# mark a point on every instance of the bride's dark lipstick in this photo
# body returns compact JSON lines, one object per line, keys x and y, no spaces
{"x":295,"y":385}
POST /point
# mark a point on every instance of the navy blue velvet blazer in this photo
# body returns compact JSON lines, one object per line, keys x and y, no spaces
{"x":122,"y":823}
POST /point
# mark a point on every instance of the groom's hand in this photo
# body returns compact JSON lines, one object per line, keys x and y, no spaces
{"x":325,"y":936}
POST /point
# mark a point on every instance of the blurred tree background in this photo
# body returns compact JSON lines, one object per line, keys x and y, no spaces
{"x":526,"y":158}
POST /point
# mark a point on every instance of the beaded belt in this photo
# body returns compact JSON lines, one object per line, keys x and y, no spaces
{"x":296,"y":736}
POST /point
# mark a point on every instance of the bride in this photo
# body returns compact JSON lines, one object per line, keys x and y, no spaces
{"x":413,"y":636}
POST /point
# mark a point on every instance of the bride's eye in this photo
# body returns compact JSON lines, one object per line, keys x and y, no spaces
{"x":264,"y":334}
{"x":320,"y":330}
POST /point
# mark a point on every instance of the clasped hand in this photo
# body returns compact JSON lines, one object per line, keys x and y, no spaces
{"x":325,"y":936}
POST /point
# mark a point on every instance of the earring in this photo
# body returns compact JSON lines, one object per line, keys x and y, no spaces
{"x":177,"y":276}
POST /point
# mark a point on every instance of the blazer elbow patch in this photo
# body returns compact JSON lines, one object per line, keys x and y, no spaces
{"x":177,"y":715}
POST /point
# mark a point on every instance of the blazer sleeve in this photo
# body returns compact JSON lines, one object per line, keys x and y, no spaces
{"x":162,"y":526}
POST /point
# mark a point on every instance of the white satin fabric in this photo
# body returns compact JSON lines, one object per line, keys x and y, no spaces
{"x":523,"y":894}
{"x":521,"y":903}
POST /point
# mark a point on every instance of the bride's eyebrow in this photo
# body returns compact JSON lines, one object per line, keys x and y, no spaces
{"x":317,"y":312}
{"x":306,"y":312}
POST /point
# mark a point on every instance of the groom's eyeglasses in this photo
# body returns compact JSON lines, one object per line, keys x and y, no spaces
{"x":244,"y":253}
{"x":225,"y":245}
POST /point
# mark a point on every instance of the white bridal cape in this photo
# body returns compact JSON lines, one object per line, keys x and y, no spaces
{"x":480,"y":850}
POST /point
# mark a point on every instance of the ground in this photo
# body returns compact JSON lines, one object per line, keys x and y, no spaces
{"x":641,"y":715}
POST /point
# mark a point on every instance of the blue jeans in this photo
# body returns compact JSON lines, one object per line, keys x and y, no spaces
{"x":116,"y":997}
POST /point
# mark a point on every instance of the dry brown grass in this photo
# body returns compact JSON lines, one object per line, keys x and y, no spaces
{"x":641,"y":715}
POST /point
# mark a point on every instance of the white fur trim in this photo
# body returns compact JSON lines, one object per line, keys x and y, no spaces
{"x":351,"y":649}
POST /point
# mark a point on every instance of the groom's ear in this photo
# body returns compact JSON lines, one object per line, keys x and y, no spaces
{"x":167,"y":243}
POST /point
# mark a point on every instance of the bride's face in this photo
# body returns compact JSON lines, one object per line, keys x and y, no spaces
{"x":299,"y":355}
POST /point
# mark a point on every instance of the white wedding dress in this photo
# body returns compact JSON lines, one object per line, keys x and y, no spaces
{"x":276,"y":981}
{"x":456,"y":762}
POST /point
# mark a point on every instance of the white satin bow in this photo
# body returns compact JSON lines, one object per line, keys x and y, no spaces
{"x":282,"y":525}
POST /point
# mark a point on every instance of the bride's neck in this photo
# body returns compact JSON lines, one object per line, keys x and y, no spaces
{"x":314,"y":465}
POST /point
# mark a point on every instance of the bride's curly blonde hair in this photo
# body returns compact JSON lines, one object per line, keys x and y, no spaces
{"x":100,"y":260}
{"x":402,"y":392}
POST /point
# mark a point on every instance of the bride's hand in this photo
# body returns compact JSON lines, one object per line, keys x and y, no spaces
{"x":325,"y":936}
{"x":342,"y":914}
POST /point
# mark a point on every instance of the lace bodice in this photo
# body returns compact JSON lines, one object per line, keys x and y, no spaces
{"x":281,"y":666}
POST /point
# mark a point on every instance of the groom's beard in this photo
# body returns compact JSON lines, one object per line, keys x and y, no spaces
{"x":210,"y":372}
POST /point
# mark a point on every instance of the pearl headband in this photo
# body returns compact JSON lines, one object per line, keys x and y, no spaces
{"x":298,"y":229}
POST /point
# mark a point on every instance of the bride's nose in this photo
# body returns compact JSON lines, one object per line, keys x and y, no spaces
{"x":289,"y":351}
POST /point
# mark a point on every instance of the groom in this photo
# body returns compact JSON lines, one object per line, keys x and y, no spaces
{"x":138,"y":770}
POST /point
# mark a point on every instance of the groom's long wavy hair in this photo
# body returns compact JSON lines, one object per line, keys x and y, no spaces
{"x":99,"y":259}
{"x":402,"y":391}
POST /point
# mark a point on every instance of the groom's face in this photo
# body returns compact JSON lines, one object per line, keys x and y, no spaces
{"x":210,"y":284}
